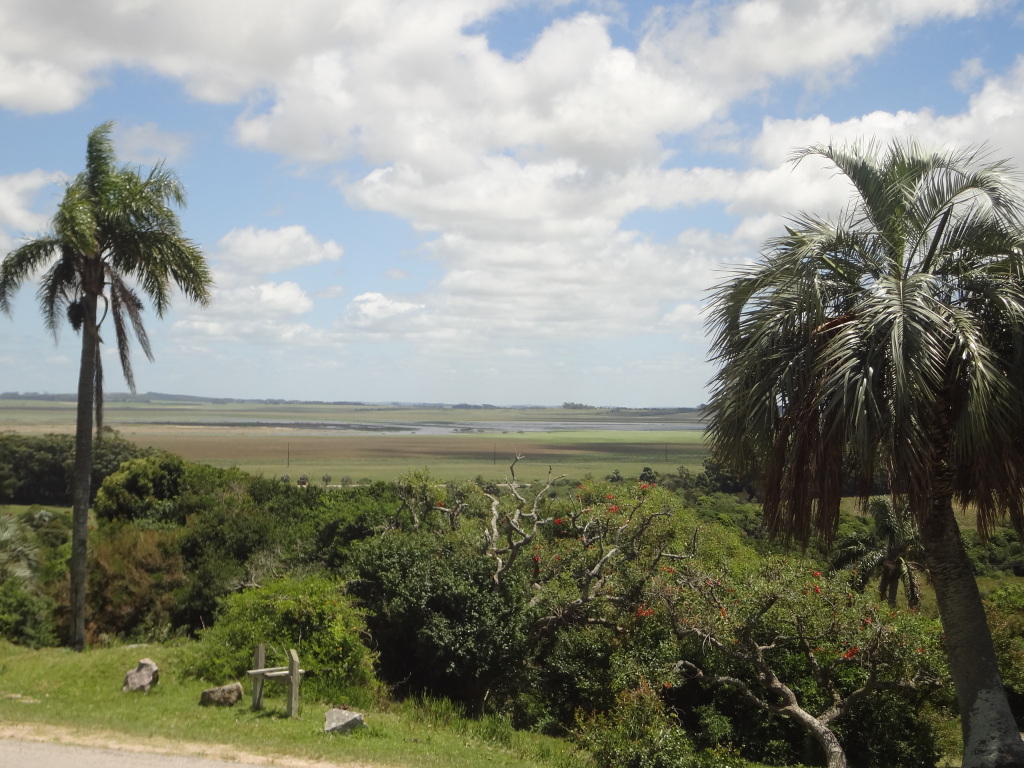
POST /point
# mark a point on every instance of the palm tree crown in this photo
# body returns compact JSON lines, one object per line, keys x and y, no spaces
{"x":865,"y":341}
{"x":114,"y":234}
{"x":889,"y":552}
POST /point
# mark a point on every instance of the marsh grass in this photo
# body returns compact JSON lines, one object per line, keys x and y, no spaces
{"x":82,"y":692}
{"x":277,"y":439}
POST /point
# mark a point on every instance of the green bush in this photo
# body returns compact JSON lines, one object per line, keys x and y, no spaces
{"x":888,"y":730}
{"x":36,"y":469}
{"x":133,"y":575}
{"x":143,"y":489}
{"x":439,"y":623}
{"x":311,"y":615}
{"x":25,"y":618}
{"x":638,"y":733}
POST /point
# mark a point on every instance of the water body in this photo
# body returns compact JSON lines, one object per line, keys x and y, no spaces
{"x":451,"y":428}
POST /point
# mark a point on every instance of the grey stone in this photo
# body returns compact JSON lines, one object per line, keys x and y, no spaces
{"x":143,"y":677}
{"x":342,"y":721}
{"x":223,"y":696}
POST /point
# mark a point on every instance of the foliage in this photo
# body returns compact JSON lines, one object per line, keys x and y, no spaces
{"x":889,"y":730}
{"x":439,"y":623}
{"x":143,"y":489}
{"x":889,"y":552}
{"x":637,"y":733}
{"x":36,"y":469}
{"x":18,"y":555}
{"x":796,"y":642}
{"x":348,"y":514}
{"x":1005,"y":607}
{"x":311,"y":615}
{"x":999,"y":552}
{"x":25,"y":618}
{"x":134,"y":574}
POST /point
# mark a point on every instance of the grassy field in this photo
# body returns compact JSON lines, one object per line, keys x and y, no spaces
{"x":381,"y":442}
{"x":57,"y":695}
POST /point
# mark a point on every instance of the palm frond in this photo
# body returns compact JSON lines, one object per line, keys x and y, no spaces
{"x":23,"y":262}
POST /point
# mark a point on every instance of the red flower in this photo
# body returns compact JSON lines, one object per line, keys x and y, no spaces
{"x":614,"y":508}
{"x":851,"y":653}
{"x":817,"y":589}
{"x":558,"y":521}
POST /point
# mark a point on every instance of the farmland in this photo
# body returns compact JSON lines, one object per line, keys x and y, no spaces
{"x":378,"y":442}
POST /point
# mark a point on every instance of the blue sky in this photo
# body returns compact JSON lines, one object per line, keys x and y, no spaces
{"x":484,"y":201}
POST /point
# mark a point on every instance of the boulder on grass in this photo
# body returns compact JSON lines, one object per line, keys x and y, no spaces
{"x":223,"y":696}
{"x":144,"y":676}
{"x":342,"y":721}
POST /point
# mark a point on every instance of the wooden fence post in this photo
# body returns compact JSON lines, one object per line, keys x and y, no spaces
{"x":294,"y":676}
{"x":258,"y":660}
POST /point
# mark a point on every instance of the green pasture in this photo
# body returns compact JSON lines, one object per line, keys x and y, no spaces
{"x":80,"y":695}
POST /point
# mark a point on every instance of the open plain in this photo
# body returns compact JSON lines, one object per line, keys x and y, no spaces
{"x":354,"y":442}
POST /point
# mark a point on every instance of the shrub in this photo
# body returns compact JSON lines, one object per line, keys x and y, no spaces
{"x":25,"y":618}
{"x":638,"y":733}
{"x":440,"y":624}
{"x":311,"y":615}
{"x":133,"y":575}
{"x":143,"y":489}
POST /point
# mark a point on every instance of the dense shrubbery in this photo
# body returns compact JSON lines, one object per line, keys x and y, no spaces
{"x":312,"y":615}
{"x":438,"y":622}
{"x":37,"y":469}
{"x":25,"y":618}
{"x":617,"y":613}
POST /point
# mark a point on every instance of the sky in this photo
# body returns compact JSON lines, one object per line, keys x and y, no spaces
{"x":471,"y":201}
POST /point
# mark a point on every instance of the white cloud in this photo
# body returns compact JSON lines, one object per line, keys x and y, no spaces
{"x":18,"y":194}
{"x":266,"y":251}
{"x":146,"y":144}
{"x":375,"y":311}
{"x":520,"y":170}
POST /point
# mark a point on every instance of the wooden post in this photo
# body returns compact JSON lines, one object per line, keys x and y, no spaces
{"x":258,"y":662}
{"x":294,"y":676}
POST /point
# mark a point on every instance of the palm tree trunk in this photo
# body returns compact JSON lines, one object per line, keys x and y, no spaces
{"x":82,"y":473}
{"x":991,"y":736}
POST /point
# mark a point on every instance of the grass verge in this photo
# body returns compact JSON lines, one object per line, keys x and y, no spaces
{"x":80,"y":693}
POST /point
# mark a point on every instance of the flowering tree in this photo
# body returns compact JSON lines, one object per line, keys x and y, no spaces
{"x":796,"y":642}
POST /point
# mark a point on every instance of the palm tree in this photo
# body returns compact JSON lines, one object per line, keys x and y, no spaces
{"x":18,"y":557}
{"x":885,"y":552}
{"x":890,"y":338}
{"x":114,"y":234}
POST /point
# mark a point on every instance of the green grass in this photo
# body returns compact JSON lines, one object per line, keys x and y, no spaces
{"x":82,"y":692}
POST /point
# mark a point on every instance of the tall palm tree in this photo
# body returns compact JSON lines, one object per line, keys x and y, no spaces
{"x":890,"y":338}
{"x":885,"y":552}
{"x":114,"y":235}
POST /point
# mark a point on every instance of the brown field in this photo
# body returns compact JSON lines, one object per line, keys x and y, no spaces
{"x":253,"y":438}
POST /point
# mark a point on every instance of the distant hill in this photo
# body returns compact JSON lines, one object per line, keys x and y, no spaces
{"x":161,"y":397}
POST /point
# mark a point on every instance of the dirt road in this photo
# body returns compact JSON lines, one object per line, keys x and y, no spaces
{"x":24,"y":745}
{"x":36,"y":754}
